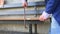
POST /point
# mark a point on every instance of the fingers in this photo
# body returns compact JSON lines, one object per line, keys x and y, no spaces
{"x":42,"y":18}
{"x":25,"y":4}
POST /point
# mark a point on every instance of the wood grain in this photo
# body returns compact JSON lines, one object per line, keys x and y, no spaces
{"x":18,"y":18}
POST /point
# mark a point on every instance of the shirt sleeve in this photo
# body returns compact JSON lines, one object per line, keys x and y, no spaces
{"x":45,"y":14}
{"x":51,"y":5}
{"x":23,"y":1}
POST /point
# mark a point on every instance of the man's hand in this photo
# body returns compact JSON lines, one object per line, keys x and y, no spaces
{"x":1,"y":3}
{"x":42,"y":18}
{"x":24,"y":3}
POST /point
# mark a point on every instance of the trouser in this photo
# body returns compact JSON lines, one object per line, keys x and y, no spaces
{"x":55,"y":27}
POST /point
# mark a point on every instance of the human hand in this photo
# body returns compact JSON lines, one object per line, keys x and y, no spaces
{"x":1,"y":3}
{"x":42,"y":18}
{"x":25,"y":4}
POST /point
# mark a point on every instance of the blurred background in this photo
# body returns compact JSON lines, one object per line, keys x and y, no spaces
{"x":12,"y":13}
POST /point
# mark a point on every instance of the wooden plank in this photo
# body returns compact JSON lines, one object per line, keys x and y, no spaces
{"x":21,"y":12}
{"x":18,"y":18}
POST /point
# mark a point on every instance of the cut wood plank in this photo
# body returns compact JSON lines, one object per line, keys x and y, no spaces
{"x":18,"y":18}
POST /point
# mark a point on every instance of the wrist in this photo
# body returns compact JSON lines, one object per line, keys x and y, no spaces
{"x":46,"y":15}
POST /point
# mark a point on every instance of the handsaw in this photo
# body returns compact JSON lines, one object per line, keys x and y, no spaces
{"x":25,"y":6}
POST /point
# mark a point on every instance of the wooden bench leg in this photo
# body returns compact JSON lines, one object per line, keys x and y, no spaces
{"x":35,"y":28}
{"x":30,"y":28}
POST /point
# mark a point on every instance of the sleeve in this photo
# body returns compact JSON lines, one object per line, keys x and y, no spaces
{"x":51,"y":5}
{"x":46,"y":15}
{"x":23,"y":1}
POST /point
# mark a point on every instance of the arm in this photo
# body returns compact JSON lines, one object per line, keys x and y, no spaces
{"x":51,"y":5}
